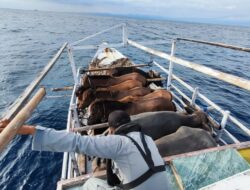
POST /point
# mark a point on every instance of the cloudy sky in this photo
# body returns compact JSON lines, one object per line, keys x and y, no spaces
{"x":224,"y":10}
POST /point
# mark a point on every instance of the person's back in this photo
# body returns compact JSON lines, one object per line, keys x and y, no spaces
{"x":134,"y":154}
{"x":131,"y":164}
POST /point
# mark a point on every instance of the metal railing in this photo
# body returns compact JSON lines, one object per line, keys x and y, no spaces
{"x":237,"y":81}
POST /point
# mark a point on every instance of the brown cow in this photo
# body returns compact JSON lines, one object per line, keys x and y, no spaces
{"x":119,"y":71}
{"x":89,"y":95}
{"x":124,"y":86}
{"x":100,"y":109}
{"x":156,"y":94}
{"x":106,"y":81}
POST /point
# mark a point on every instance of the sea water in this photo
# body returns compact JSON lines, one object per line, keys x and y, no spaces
{"x":29,"y":39}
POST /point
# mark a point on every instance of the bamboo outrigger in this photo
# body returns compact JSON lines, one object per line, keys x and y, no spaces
{"x":76,"y":168}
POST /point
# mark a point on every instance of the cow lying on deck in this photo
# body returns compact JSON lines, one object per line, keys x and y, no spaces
{"x":159,"y":124}
{"x":185,"y":139}
{"x":135,"y":94}
{"x":174,"y":133}
{"x":99,"y":110}
{"x":107,"y":81}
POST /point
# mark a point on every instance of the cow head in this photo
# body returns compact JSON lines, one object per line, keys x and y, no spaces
{"x":206,"y":123}
{"x":87,"y":97}
{"x":97,"y":113}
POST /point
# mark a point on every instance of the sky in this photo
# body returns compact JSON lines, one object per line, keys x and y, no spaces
{"x":228,"y":11}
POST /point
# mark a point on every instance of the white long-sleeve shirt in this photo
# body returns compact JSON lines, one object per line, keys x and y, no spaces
{"x":120,"y":149}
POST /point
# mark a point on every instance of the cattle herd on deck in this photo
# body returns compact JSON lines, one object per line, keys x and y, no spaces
{"x":121,"y":86}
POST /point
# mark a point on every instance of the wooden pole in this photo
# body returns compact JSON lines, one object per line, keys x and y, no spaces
{"x":231,"y":79}
{"x":62,"y":88}
{"x":12,"y":128}
{"x":104,"y":69}
{"x":20,"y":101}
{"x":155,"y":79}
{"x":91,"y":127}
{"x":177,"y":176}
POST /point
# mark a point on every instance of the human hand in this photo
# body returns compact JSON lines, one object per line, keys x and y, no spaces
{"x":3,"y":124}
{"x":24,"y":130}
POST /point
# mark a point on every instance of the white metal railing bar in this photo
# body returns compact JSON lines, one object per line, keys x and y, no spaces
{"x":69,"y":120}
{"x":231,"y":136}
{"x":72,"y":64}
{"x":181,"y":93}
{"x":175,"y":77}
{"x":190,"y":88}
{"x":177,"y":98}
{"x":124,"y":34}
{"x":239,"y":124}
{"x":216,"y":44}
{"x":231,"y":79}
{"x":154,"y":42}
{"x":194,"y":96}
{"x":96,"y":34}
{"x":208,"y":101}
{"x":171,"y":65}
{"x":116,"y":45}
{"x":223,"y":123}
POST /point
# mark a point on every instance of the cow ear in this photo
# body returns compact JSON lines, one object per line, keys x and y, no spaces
{"x":189,"y":110}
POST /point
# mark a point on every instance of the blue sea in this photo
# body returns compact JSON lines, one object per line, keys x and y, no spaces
{"x":29,"y":39}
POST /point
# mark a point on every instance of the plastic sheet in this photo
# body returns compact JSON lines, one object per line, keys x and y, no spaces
{"x":199,"y":171}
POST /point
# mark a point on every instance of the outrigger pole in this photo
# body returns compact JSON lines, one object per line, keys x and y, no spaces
{"x":19,"y":103}
{"x":17,"y":117}
{"x":12,"y":128}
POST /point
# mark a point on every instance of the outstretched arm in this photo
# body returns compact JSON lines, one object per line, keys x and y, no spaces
{"x":61,"y":141}
{"x":45,"y":139}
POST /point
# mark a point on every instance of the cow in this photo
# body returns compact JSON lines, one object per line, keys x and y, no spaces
{"x":161,"y":123}
{"x":100,"y":109}
{"x":89,"y":95}
{"x":155,"y":94}
{"x":107,"y":81}
{"x":185,"y":139}
{"x":124,"y":86}
{"x":119,"y":71}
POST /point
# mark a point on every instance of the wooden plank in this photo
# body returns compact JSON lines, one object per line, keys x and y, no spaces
{"x":18,"y":104}
{"x":11,"y":129}
{"x":62,"y":88}
{"x":177,"y":176}
{"x":231,"y":79}
{"x":91,"y":127}
{"x":110,"y":68}
{"x":155,"y":79}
